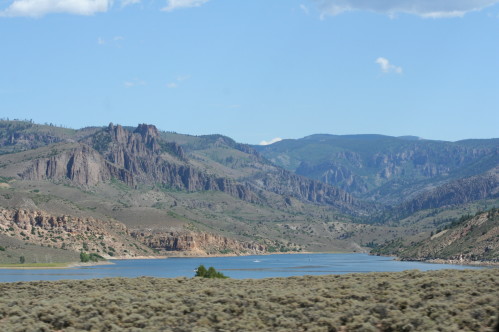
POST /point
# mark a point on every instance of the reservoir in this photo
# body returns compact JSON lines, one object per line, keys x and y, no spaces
{"x":240,"y":267}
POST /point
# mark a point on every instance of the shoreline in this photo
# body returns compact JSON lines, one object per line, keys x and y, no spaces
{"x":51,"y":266}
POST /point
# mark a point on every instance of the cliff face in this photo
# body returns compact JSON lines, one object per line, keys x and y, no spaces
{"x":285,"y":183}
{"x":142,"y":157}
{"x":455,"y":193}
{"x":383,"y":168}
{"x":196,"y":243}
{"x":108,"y":239}
{"x":82,"y":165}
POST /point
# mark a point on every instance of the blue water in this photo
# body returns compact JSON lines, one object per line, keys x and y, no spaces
{"x":235,"y":267}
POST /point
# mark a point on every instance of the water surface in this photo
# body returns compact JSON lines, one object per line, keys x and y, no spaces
{"x":241,"y":267}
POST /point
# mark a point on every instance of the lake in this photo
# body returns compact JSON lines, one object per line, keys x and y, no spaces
{"x":279,"y":265}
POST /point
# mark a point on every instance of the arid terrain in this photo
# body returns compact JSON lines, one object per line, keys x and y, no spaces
{"x":446,"y":300}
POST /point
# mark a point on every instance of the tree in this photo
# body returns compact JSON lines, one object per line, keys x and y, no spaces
{"x":201,"y":271}
{"x":22,"y":259}
{"x":210,"y":273}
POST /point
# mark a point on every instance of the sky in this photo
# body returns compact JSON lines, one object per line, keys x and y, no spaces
{"x":255,"y":70}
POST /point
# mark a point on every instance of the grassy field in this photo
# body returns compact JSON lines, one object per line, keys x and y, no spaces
{"x":446,"y":300}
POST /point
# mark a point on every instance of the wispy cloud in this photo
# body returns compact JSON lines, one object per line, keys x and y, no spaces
{"x":38,"y":8}
{"x":272,"y":141}
{"x":134,"y":83}
{"x":423,"y":8}
{"x":304,"y":9}
{"x":125,"y":3}
{"x":116,"y":40}
{"x":178,"y":80}
{"x":387,"y":67}
{"x":176,"y":4}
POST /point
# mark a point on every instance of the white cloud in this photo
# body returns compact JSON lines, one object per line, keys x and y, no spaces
{"x":101,"y":41}
{"x":304,"y":8}
{"x":175,"y":4}
{"x":38,"y":8}
{"x":125,"y":3}
{"x":134,"y":83}
{"x":272,"y":141}
{"x":172,"y":85}
{"x":423,"y":8}
{"x":387,"y":67}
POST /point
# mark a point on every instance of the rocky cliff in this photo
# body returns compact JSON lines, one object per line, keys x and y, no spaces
{"x":454,"y":193}
{"x":383,"y":168}
{"x":195,"y":243}
{"x":106,"y":238}
{"x":82,"y":165}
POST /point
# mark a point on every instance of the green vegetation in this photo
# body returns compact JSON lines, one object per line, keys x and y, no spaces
{"x":92,"y":257}
{"x":447,"y":300}
{"x":211,"y":273}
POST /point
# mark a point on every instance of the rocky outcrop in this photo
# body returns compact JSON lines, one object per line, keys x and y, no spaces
{"x":82,"y":165}
{"x":455,"y":193}
{"x":333,"y":174}
{"x":383,"y":168}
{"x":285,"y":183}
{"x":196,"y":243}
{"x":106,"y":238}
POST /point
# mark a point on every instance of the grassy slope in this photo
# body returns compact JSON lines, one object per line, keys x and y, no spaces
{"x":447,"y":300}
{"x":14,"y":249}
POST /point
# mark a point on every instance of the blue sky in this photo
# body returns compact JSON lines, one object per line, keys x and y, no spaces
{"x":255,"y":70}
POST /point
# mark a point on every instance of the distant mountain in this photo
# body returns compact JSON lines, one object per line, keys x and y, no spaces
{"x":391,"y":170}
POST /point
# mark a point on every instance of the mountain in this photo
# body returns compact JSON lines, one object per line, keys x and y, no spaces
{"x":393,"y":170}
{"x":172,"y":192}
{"x":176,"y":194}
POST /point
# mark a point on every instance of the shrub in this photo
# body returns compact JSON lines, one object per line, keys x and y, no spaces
{"x":210,"y":273}
{"x":85,"y":258}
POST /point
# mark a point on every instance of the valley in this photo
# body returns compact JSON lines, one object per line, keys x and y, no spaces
{"x":129,"y":192}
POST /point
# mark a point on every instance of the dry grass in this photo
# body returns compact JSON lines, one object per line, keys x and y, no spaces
{"x":447,"y":300}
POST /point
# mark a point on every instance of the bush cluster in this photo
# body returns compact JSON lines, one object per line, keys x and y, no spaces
{"x":448,"y":300}
{"x":202,"y":272}
{"x":92,"y":257}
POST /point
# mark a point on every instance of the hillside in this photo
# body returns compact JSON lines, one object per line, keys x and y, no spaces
{"x":387,"y":169}
{"x":467,"y":239}
{"x":173,"y":193}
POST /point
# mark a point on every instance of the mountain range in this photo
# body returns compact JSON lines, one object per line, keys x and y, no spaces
{"x":177,"y":193}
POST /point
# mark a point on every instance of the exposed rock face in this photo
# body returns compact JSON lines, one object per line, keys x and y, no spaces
{"x":82,"y":165}
{"x":382,"y":168}
{"x":285,"y":183}
{"x":196,"y":243}
{"x":457,"y":192}
{"x":334,"y":174}
{"x":73,"y":233}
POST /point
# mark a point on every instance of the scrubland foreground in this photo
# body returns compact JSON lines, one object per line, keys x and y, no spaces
{"x":446,"y":300}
